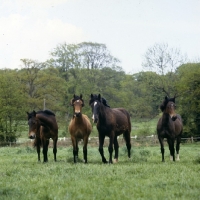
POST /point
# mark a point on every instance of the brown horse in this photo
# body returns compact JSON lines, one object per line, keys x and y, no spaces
{"x":169,"y":126}
{"x":111,"y":122}
{"x":42,"y":127}
{"x":79,"y":127}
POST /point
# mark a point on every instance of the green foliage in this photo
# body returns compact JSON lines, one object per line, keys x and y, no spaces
{"x":189,"y":100}
{"x":11,"y":104}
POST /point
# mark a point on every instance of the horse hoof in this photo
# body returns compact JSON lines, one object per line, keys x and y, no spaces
{"x":115,"y":160}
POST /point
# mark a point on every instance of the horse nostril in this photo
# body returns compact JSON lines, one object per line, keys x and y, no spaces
{"x":31,"y":137}
{"x":77,"y":114}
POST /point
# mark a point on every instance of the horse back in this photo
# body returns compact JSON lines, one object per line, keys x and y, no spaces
{"x":121,"y":118}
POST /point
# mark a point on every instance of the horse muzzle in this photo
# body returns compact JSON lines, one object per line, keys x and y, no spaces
{"x":31,"y":135}
{"x":77,"y":114}
{"x":94,"y":119}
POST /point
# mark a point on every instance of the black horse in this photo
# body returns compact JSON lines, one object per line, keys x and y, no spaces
{"x":169,"y":126}
{"x":111,"y":122}
{"x":42,"y":127}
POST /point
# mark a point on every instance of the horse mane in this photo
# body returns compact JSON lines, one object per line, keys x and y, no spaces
{"x":104,"y":101}
{"x":95,"y":97}
{"x":165,"y":102}
{"x":33,"y":113}
{"x":47,"y":112}
{"x":77,"y":98}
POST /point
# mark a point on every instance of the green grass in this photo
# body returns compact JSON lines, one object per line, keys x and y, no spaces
{"x":143,"y":176}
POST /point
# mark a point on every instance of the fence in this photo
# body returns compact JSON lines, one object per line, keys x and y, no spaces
{"x":151,"y":140}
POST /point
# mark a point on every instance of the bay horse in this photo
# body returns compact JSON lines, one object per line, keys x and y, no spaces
{"x":169,"y":126}
{"x":79,"y":127}
{"x":111,"y":122}
{"x":42,"y":127}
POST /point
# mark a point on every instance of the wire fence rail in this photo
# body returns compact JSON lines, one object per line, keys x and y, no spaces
{"x":151,"y":140}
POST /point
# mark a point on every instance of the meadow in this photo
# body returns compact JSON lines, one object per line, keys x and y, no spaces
{"x":143,"y":176}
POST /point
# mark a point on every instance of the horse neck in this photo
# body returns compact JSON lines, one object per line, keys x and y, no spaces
{"x":166,"y":118}
{"x":103,"y":112}
{"x":44,"y":119}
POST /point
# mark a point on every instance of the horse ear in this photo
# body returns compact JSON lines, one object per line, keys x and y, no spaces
{"x":34,"y":113}
{"x":74,"y":95}
{"x":81,"y":96}
{"x":99,"y":97}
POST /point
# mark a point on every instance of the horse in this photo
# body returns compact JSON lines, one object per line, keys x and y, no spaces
{"x":79,"y":127}
{"x":111,"y":122}
{"x":42,"y":127}
{"x":169,"y":126}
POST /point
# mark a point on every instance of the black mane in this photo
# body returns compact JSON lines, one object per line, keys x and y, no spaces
{"x":46,"y":112}
{"x":95,"y":97}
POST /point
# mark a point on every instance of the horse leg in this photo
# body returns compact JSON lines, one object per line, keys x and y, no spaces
{"x":74,"y":143}
{"x":178,"y":141}
{"x":77,"y":149}
{"x":110,"y":148}
{"x":128,"y":143}
{"x":45,"y":149}
{"x":101,"y":142}
{"x":161,"y":140}
{"x":171,"y":148}
{"x":55,"y":148}
{"x":38,"y":150}
{"x":116,"y":147}
{"x":85,"y":149}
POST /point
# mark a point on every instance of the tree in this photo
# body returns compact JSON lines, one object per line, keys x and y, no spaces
{"x":41,"y":83}
{"x":96,"y":56}
{"x":189,"y":99}
{"x":65,"y":57}
{"x":164,"y":61}
{"x":12,"y":106}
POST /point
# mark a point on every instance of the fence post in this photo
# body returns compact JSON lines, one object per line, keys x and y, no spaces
{"x":192,"y":139}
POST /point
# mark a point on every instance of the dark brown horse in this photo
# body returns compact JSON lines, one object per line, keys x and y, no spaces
{"x":79,"y":127}
{"x":42,"y":127}
{"x":111,"y":122}
{"x":169,"y":126}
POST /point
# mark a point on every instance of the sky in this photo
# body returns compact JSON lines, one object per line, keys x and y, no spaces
{"x":31,"y":29}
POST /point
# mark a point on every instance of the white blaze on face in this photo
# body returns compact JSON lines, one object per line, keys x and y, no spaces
{"x":76,"y":110}
{"x":95,"y":103}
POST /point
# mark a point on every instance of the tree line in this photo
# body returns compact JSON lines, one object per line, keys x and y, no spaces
{"x":87,"y":68}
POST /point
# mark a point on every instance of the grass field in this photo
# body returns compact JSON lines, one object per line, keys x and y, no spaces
{"x":143,"y":176}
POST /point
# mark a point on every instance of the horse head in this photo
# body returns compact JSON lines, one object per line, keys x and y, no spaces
{"x":77,"y":103}
{"x":95,"y":102}
{"x":168,"y":105}
{"x":33,"y":123}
